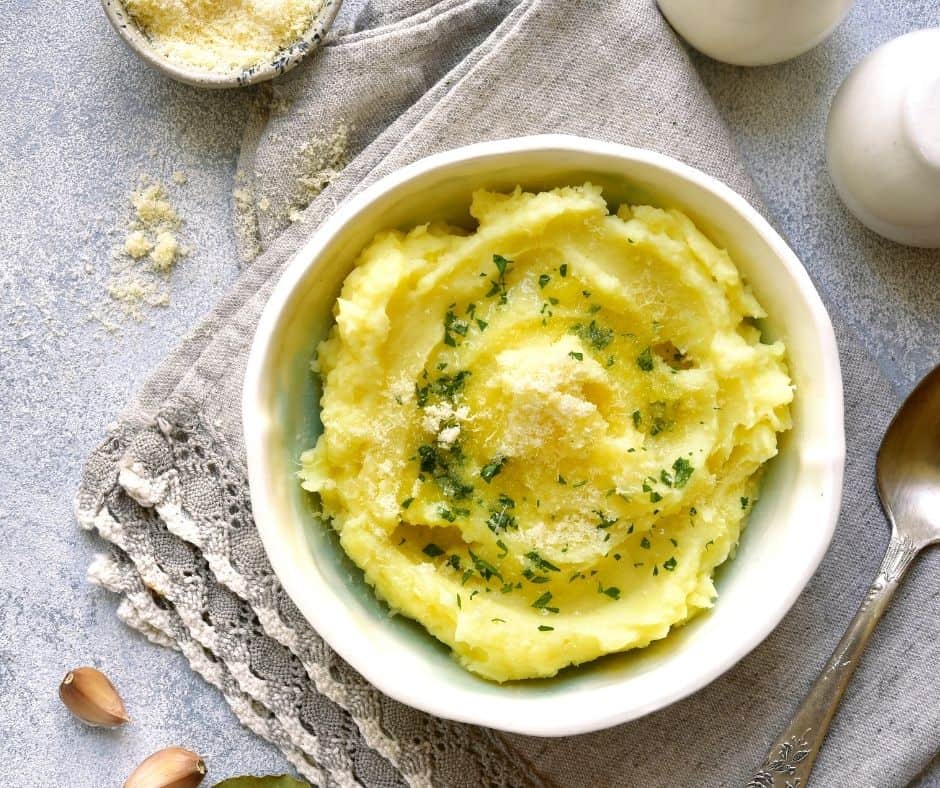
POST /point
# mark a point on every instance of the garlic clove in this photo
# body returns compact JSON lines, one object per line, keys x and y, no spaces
{"x":173,"y":767}
{"x":89,"y":695}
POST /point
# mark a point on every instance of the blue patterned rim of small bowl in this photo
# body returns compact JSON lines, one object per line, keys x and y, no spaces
{"x":284,"y":60}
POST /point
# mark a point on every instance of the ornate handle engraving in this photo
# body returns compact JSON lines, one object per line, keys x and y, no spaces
{"x":791,"y":757}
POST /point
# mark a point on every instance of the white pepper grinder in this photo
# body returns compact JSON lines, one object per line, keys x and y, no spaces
{"x":883,"y":140}
{"x":754,"y":32}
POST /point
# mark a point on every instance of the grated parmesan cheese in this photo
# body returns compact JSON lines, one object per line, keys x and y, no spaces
{"x":443,"y":420}
{"x":222,"y":36}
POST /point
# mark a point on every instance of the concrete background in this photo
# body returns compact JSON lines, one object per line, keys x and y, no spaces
{"x":80,"y":119}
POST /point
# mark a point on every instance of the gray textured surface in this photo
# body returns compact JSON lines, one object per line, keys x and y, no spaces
{"x":62,"y":378}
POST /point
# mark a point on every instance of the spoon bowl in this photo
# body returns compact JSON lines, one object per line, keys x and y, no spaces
{"x":908,"y":468}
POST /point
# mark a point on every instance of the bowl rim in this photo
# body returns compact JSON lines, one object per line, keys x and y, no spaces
{"x":283,"y":61}
{"x":572,"y":722}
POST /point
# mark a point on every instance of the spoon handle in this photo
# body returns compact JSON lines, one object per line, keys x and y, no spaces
{"x":792,"y":755}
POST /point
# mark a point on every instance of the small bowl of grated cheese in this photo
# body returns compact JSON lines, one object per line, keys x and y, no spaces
{"x":221,"y":43}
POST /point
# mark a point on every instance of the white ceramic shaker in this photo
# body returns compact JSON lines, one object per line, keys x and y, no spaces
{"x":754,"y":32}
{"x":883,"y":140}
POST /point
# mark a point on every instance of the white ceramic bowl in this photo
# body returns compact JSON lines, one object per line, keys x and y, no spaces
{"x":754,"y":32}
{"x":789,"y":530}
{"x":281,"y":62}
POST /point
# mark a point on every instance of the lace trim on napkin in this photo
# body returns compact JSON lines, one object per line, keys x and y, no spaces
{"x":171,"y":497}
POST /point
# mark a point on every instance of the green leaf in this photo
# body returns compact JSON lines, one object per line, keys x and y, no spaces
{"x":432,"y":550}
{"x":270,"y":781}
{"x":492,"y":468}
{"x":543,"y":600}
{"x":683,"y":470}
{"x":645,"y":360}
{"x":485,"y":568}
{"x":541,"y":563}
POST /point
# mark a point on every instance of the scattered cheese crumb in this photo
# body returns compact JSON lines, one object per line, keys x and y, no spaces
{"x":165,"y":251}
{"x":137,"y":244}
{"x":179,"y":178}
{"x":153,"y":207}
{"x":148,"y":254}
{"x":320,"y":161}
{"x":220,"y":35}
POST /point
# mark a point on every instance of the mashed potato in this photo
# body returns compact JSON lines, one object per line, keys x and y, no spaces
{"x":541,"y":438}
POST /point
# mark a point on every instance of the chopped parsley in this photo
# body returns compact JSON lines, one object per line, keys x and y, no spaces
{"x":544,"y":279}
{"x":655,"y":497}
{"x":645,"y":543}
{"x":481,"y":324}
{"x":659,"y":422}
{"x":446,"y":387}
{"x":683,"y":472}
{"x":498,"y":620}
{"x":459,"y":605}
{"x":637,"y":419}
{"x":407,"y":502}
{"x":438,"y":462}
{"x":612,"y":591}
{"x":563,"y":270}
{"x":744,"y":502}
{"x":453,"y":561}
{"x":645,"y":360}
{"x":453,"y":325}
{"x":432,"y":550}
{"x":540,"y":562}
{"x":576,"y":356}
{"x":545,"y":628}
{"x":529,"y":575}
{"x":597,"y":337}
{"x":498,"y":286}
{"x":492,"y":468}
{"x":670,"y":564}
{"x":502,"y":546}
{"x":485,"y":568}
{"x":605,"y":520}
{"x":542,"y":603}
{"x":561,"y":479}
{"x":500,"y":519}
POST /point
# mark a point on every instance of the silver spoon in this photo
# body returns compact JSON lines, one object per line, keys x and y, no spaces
{"x":908,"y":473}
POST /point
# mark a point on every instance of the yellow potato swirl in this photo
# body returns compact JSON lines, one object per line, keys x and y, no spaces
{"x":540,"y":438}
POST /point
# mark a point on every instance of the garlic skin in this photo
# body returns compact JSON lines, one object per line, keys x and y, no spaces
{"x":91,"y":697}
{"x":173,"y":767}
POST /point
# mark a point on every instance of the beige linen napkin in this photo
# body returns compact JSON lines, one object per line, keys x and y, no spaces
{"x":167,"y":487}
